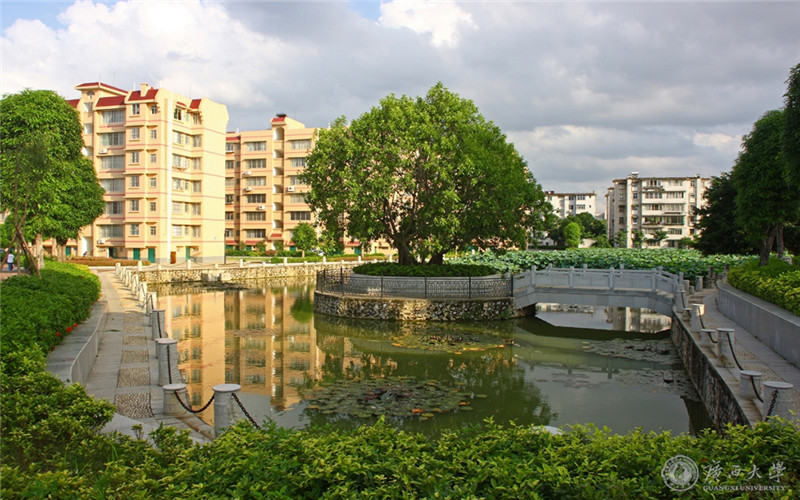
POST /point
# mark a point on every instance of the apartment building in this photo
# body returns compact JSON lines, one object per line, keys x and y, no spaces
{"x":565,"y":204}
{"x":264,"y":198}
{"x":160,"y":157}
{"x":654,"y":205}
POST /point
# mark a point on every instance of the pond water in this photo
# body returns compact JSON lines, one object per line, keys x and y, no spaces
{"x":611,"y":367}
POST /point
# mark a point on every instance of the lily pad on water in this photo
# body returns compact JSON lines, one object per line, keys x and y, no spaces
{"x":391,"y":396}
{"x":445,"y":342}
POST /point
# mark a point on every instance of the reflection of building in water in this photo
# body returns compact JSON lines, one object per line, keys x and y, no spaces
{"x":628,"y":319}
{"x":268,"y":346}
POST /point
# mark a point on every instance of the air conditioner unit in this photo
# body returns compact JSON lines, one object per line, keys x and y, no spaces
{"x":290,"y":189}
{"x":103,"y":151}
{"x":248,"y":188}
{"x":248,"y":172}
{"x":262,"y":207}
{"x":101,"y":241}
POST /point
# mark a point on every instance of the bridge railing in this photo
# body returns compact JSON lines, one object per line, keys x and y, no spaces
{"x":609,"y":279}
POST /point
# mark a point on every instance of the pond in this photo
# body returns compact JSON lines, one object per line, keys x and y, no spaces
{"x":568,"y":365}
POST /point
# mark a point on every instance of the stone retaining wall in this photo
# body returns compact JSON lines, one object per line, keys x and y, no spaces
{"x":717,"y":395}
{"x":248,"y":272}
{"x":414,"y":309}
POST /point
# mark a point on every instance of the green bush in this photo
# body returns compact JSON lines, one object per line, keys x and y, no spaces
{"x":445,"y":270}
{"x":777,"y":282}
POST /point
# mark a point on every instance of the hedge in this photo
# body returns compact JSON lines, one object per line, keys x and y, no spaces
{"x":777,"y":282}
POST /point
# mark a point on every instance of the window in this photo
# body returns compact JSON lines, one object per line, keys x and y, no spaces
{"x":195,"y":231}
{"x":134,"y":157}
{"x":675,"y":230}
{"x":114,"y":116}
{"x":197,"y":141}
{"x":256,"y":198}
{"x":195,"y":208}
{"x":88,"y":128}
{"x":134,"y":205}
{"x":113,"y":185}
{"x":228,"y":215}
{"x":180,"y":138}
{"x":255,"y":181}
{"x":178,"y":114}
{"x":135,"y":109}
{"x":135,"y":132}
{"x":255,"y":146}
{"x":196,"y":164}
{"x":178,"y":184}
{"x":229,"y":147}
{"x":301,"y":144}
{"x":153,"y":182}
{"x":294,"y":180}
{"x":177,"y":207}
{"x":154,"y":134}
{"x":134,"y":229}
{"x":258,"y":234}
{"x":228,"y":164}
{"x":228,"y":199}
{"x":152,"y":206}
{"x":112,"y":162}
{"x":153,"y":109}
{"x":112,"y":231}
{"x":197,"y":186}
{"x":179,"y":161}
{"x":177,"y":230}
{"x":229,"y":182}
{"x":113,"y":208}
{"x":262,"y":163}
{"x":87,"y":106}
{"x":297,"y":162}
{"x":255,"y":216}
{"x":300,"y":215}
{"x":297,"y":198}
{"x":152,"y":230}
{"x":112,"y":139}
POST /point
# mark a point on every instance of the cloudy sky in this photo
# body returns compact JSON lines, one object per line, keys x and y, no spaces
{"x":587,"y":91}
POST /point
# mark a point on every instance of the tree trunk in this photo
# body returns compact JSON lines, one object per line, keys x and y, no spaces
{"x":779,"y":239}
{"x":766,"y":246}
{"x":404,"y":256}
{"x":436,"y":259}
{"x":39,"y":251}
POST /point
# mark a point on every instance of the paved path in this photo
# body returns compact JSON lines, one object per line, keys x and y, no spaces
{"x":125,"y":370}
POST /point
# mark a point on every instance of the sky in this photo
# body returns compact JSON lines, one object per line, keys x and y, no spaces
{"x":588,"y":92}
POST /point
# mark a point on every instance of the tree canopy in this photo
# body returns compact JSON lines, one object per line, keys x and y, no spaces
{"x":590,"y":226}
{"x":572,"y":235}
{"x":304,"y":237}
{"x":48,"y":188}
{"x":428,"y":174}
{"x":791,"y":133}
{"x":719,"y":232}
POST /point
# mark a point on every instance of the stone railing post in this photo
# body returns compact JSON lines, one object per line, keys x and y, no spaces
{"x":725,"y":341}
{"x":172,"y":406}
{"x":157,"y":324}
{"x":777,"y":399}
{"x":698,"y":310}
{"x":325,"y":259}
{"x":167,"y":361}
{"x":698,"y":283}
{"x":241,"y":263}
{"x":188,"y":264}
{"x":285,"y":260}
{"x":749,"y":382}
{"x":139,"y":266}
{"x":223,"y":406}
{"x":707,"y":338}
{"x":150,"y":304}
{"x":117,"y":269}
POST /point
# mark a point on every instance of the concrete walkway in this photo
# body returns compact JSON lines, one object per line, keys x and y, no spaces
{"x":125,"y":370}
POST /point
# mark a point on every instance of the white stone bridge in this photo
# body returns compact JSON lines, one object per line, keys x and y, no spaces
{"x":654,"y":289}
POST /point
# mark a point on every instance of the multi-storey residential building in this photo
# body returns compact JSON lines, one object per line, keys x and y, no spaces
{"x":264,"y":198}
{"x":653,"y":205}
{"x":565,"y":204}
{"x":160,"y":157}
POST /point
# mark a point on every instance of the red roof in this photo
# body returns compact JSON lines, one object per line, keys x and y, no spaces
{"x":73,"y":102}
{"x":195,"y":103}
{"x":276,"y":235}
{"x":99,"y":84}
{"x":233,"y":139}
{"x":136,"y":95}
{"x":110,"y":101}
{"x":278,"y":119}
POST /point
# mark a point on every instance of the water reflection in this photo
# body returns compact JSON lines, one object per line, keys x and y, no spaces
{"x":267,"y":339}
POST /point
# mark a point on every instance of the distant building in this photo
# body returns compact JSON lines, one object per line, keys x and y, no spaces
{"x":159,"y":157}
{"x":566,"y":204}
{"x":655,"y":204}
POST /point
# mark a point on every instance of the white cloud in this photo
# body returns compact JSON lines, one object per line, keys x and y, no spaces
{"x":442,"y":20}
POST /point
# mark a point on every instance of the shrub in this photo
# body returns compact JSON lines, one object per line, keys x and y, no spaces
{"x":777,"y":282}
{"x":445,"y":270}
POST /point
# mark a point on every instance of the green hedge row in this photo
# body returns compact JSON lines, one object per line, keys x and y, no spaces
{"x":42,"y":312}
{"x":444,"y":270}
{"x":778,"y":282}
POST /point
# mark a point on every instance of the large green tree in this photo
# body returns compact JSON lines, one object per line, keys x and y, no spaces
{"x":764,"y":199}
{"x":591,"y":227}
{"x":48,"y":187}
{"x":720,"y":232}
{"x":791,"y":132}
{"x":428,"y":174}
{"x":304,"y":237}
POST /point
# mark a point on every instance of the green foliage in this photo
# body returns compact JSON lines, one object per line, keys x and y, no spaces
{"x":572,"y":235}
{"x":63,"y":297}
{"x":590,"y":226}
{"x":791,"y":133}
{"x":620,"y":239}
{"x":777,"y":282}
{"x":690,"y":262}
{"x":428,"y":174}
{"x":304,"y":237}
{"x":445,"y":270}
{"x":637,"y":237}
{"x":601,"y":241}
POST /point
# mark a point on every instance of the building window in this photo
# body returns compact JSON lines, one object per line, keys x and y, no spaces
{"x":256,"y":234}
{"x":112,"y":231}
{"x":195,"y":208}
{"x":87,"y":106}
{"x":153,"y":134}
{"x":255,"y":181}
{"x":256,"y":146}
{"x":228,"y":215}
{"x":197,"y":186}
{"x":154,"y":109}
{"x":153,"y":158}
{"x":261,"y":163}
{"x":135,"y":109}
{"x":179,"y":161}
{"x":113,"y":208}
{"x":229,"y":147}
{"x":152,"y":230}
{"x":197,"y":141}
{"x":297,"y":162}
{"x":112,"y":139}
{"x":134,"y":229}
{"x":114,"y":116}
{"x":297,"y":198}
{"x":294,"y":180}
{"x":177,"y":230}
{"x":195,"y":231}
{"x":177,"y":207}
{"x":134,"y":205}
{"x":251,"y":216}
{"x":152,"y":206}
{"x":256,"y":198}
{"x":228,"y":199}
{"x":113,"y":185}
{"x":153,"y":182}
{"x":228,"y":164}
{"x":301,"y":144}
{"x":134,"y":157}
{"x":178,"y":114}
{"x":135,"y":133}
{"x":299,"y":215}
{"x":112,"y":162}
{"x":196,"y":164}
{"x":88,"y":128}
{"x":229,"y":182}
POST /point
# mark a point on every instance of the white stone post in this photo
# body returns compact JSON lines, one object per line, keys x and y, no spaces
{"x":117,"y":269}
{"x":241,"y":263}
{"x":698,"y":283}
{"x":172,"y":406}
{"x":749,"y":382}
{"x":285,"y":260}
{"x":167,"y":361}
{"x":725,"y":341}
{"x":150,"y":304}
{"x":325,"y":259}
{"x":698,"y":310}
{"x":188,"y":264}
{"x":706,"y":338}
{"x":157,"y":324}
{"x":139,"y":266}
{"x":777,"y":399}
{"x":223,"y":406}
